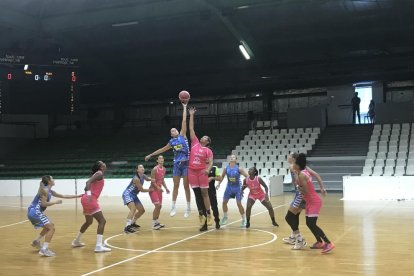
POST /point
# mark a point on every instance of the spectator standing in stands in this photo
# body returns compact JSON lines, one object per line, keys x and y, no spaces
{"x":371,"y":111}
{"x":355,"y":108}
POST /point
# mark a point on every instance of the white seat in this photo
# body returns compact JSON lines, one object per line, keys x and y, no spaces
{"x":392,"y":155}
{"x":316,"y":130}
{"x":268,"y":164}
{"x":273,"y":171}
{"x":401,"y":162}
{"x":369,"y":163}
{"x":390,"y":162}
{"x":264,"y":172}
{"x":409,"y":170}
{"x":399,"y":170}
{"x":388,"y":171}
{"x":282,"y":171}
{"x":381,"y":155}
{"x":377,"y":171}
{"x":383,"y":148}
{"x":277,"y":164}
{"x":299,"y":130}
{"x":371,"y":155}
{"x":259,"y":165}
{"x":410,"y":162}
{"x":366,"y":171}
{"x":308,"y":130}
{"x":379,"y":162}
{"x":224,"y":165}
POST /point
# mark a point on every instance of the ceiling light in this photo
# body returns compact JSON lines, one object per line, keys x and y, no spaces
{"x":244,"y":52}
{"x":242,"y":7}
{"x":124,"y":24}
{"x":26,"y":67}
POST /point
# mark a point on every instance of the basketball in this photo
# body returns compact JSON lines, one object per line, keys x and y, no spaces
{"x":184,"y":96}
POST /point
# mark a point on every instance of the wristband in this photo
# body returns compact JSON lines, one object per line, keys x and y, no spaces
{"x":88,"y":193}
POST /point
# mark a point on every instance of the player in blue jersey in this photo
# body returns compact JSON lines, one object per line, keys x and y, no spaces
{"x":233,"y":189}
{"x":130,"y":197}
{"x":39,"y":219}
{"x":179,"y":144}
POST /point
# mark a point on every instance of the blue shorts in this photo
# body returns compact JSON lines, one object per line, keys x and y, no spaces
{"x":128,"y":198}
{"x":232,"y":191}
{"x":37,"y":218}
{"x":298,"y":201}
{"x":180,"y":168}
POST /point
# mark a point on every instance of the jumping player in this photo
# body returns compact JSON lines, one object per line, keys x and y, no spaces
{"x":179,"y":144}
{"x":201,"y":162}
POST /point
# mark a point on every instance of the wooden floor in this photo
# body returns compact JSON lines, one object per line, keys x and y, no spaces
{"x":371,"y":238}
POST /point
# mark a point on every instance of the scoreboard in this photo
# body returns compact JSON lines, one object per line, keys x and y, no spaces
{"x":32,"y":85}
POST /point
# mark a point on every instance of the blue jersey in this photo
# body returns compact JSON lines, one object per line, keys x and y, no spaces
{"x":37,"y":201}
{"x":233,"y":175}
{"x":180,"y":147}
{"x":132,"y":188}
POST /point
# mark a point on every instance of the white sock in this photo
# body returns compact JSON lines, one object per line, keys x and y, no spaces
{"x":154,"y":221}
{"x":173,"y":204}
{"x":78,"y":237}
{"x":225,"y":214}
{"x":39,"y":238}
{"x":299,"y":237}
{"x":129,"y":222}
{"x":45,"y":245}
{"x":99,"y":240}
{"x":188,"y":205}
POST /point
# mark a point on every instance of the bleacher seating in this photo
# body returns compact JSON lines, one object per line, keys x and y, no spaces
{"x":391,"y":151}
{"x":72,"y":155}
{"x":267,"y":149}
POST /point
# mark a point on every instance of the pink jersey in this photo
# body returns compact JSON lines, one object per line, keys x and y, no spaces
{"x":311,"y":196}
{"x":254,"y":186}
{"x":97,"y":186}
{"x":199,"y":155}
{"x":159,"y":175}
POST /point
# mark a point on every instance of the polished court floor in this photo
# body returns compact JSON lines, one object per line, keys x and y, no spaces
{"x":371,"y":238}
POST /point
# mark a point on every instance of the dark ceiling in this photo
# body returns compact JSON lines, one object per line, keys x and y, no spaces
{"x":169,"y":45}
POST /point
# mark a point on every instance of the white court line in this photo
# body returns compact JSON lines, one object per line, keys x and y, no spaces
{"x":168,"y":245}
{"x":274,"y":237}
{"x":14,"y":206}
{"x":4,"y":226}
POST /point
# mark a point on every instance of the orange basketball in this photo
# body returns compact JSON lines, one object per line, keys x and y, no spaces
{"x":184,"y":96}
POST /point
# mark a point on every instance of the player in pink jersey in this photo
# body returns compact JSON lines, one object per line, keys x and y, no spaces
{"x":313,"y":205}
{"x":91,"y":208}
{"x":201,"y":161}
{"x":157,"y":182}
{"x":254,"y":183}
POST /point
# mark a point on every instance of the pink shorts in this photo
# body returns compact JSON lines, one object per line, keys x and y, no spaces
{"x":313,"y":209}
{"x":198,"y":178}
{"x":156,"y":197}
{"x":90,"y":207}
{"x":261,"y":196}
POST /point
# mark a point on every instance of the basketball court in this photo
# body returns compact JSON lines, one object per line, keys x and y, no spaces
{"x":367,"y":237}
